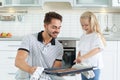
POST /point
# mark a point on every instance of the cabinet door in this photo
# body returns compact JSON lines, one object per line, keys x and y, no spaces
{"x":118,"y":61}
{"x":91,"y":3}
{"x":70,"y":1}
{"x":9,"y":45}
{"x":115,"y":3}
{"x":109,"y":58}
{"x":7,"y":68}
{"x":58,"y":0}
{"x":22,"y":2}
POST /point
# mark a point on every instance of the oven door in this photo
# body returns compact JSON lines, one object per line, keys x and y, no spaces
{"x":68,"y":57}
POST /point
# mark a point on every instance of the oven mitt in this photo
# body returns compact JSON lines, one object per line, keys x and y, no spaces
{"x":88,"y":74}
{"x":37,"y":73}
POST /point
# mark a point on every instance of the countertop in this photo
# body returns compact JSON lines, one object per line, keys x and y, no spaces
{"x":112,"y":38}
{"x":19,"y":38}
{"x":14,"y":38}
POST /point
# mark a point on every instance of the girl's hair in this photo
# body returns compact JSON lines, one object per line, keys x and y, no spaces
{"x":93,"y":24}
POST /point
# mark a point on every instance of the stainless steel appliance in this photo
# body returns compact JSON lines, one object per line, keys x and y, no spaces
{"x":69,"y":53}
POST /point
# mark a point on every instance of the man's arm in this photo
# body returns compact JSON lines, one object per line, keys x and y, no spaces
{"x":57,"y":63}
{"x":21,"y":63}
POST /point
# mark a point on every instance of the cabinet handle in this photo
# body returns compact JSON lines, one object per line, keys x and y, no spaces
{"x":11,"y":73}
{"x":13,"y":45}
{"x":11,"y":57}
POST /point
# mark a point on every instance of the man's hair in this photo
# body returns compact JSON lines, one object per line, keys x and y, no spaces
{"x":52,"y":15}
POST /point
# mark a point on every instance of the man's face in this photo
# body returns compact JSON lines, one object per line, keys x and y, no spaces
{"x":53,"y":28}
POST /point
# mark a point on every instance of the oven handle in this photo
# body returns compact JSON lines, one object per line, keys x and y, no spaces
{"x":69,"y":49}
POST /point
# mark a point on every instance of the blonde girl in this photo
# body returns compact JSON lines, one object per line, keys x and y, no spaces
{"x":91,"y":44}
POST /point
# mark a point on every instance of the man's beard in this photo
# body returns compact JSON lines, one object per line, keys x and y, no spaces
{"x":49,"y":33}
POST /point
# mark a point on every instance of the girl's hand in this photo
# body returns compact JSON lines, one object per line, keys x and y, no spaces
{"x":78,"y":59}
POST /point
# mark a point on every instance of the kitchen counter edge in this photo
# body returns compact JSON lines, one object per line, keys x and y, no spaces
{"x":59,"y":38}
{"x":20,"y":38}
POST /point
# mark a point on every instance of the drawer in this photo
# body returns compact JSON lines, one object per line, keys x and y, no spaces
{"x":9,"y":69}
{"x":7,"y":72}
{"x":7,"y":57}
{"x":9,"y":45}
{"x":4,"y":76}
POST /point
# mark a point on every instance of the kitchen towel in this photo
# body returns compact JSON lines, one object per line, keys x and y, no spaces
{"x":88,"y":74}
{"x":37,"y":73}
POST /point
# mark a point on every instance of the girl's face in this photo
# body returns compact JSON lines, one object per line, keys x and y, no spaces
{"x":86,"y":25}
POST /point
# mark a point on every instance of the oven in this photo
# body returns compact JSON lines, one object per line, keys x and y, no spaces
{"x":69,"y":53}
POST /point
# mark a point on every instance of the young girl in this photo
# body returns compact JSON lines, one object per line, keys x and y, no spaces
{"x":91,"y":44}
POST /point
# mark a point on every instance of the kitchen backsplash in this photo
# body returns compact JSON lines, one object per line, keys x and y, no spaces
{"x":33,"y":22}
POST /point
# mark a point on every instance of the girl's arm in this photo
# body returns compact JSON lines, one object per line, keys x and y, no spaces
{"x":91,"y":53}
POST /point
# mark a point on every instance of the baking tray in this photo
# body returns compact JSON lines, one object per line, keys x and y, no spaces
{"x":65,"y":71}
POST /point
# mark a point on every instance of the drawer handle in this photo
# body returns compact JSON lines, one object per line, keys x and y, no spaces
{"x":13,"y":45}
{"x":11,"y":73}
{"x":11,"y":57}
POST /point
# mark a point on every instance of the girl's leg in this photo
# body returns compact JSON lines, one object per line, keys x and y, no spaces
{"x":83,"y":77}
{"x":97,"y":74}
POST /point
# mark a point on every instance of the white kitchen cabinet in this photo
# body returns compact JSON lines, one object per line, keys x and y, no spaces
{"x":109,"y":71}
{"x":8,"y":50}
{"x":118,"y":62}
{"x":91,"y":3}
{"x":23,"y":3}
{"x":70,"y":1}
{"x":58,"y":1}
{"x":116,"y":3}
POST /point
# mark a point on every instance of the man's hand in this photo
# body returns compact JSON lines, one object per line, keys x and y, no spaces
{"x":32,"y":70}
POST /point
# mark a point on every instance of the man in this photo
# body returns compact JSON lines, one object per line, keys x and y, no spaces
{"x":41,"y":49}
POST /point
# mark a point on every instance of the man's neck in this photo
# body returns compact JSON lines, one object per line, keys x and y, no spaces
{"x":46,"y":38}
